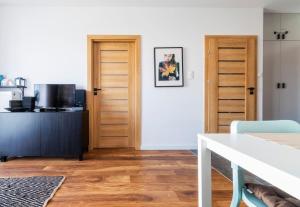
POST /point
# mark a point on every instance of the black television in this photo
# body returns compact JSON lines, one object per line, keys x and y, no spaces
{"x":49,"y":96}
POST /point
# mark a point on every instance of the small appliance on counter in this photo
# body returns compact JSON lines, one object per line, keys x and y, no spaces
{"x":15,"y":103}
{"x":15,"y":106}
{"x":28,"y":103}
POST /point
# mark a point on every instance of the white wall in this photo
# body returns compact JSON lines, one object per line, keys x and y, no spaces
{"x":48,"y":45}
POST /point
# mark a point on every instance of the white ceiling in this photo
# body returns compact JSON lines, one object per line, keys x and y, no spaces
{"x":268,"y":5}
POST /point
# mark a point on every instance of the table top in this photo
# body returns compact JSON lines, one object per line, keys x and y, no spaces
{"x":260,"y":154}
{"x":289,"y":139}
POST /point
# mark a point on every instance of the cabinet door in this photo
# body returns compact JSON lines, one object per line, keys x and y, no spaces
{"x":290,"y":73}
{"x":271,"y":24}
{"x":7,"y":132}
{"x":71,"y":132}
{"x":291,"y":23}
{"x":271,"y":77}
{"x":20,"y":134}
{"x":51,"y":142}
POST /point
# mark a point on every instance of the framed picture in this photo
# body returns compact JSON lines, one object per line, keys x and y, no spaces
{"x":168,"y":67}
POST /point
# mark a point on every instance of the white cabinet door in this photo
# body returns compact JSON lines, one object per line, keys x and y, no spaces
{"x":290,"y":74}
{"x":291,"y":23}
{"x":271,"y":76}
{"x":271,"y":24}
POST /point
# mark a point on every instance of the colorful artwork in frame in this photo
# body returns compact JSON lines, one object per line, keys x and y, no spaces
{"x":168,"y":67}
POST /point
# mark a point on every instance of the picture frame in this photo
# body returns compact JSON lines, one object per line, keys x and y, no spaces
{"x":168,"y":67}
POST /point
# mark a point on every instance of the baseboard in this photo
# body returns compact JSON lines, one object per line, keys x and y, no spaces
{"x":188,"y":147}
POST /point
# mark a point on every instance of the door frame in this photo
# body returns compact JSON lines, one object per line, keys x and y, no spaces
{"x":206,"y":88}
{"x":136,"y":39}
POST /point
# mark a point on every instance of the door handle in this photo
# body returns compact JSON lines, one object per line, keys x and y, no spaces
{"x":277,"y":34}
{"x":278,"y":85}
{"x":96,"y":91}
{"x":251,"y":90}
{"x":283,"y":34}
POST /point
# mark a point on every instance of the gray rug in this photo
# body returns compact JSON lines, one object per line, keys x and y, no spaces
{"x":28,"y":191}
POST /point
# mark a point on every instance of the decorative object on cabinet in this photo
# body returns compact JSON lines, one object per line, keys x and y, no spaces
{"x":168,"y":67}
{"x":20,"y":81}
{"x":1,"y":78}
{"x":7,"y":82}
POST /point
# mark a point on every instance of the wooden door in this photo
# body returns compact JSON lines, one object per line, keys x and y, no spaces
{"x":113,"y":104}
{"x":230,"y":85}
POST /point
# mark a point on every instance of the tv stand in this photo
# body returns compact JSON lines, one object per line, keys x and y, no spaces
{"x":45,"y":134}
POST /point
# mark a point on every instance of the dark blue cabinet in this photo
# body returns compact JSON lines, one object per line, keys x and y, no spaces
{"x":49,"y":134}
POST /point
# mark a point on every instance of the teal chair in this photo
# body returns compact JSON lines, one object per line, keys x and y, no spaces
{"x":239,"y":190}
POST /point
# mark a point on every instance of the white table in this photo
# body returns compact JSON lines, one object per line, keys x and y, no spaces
{"x":261,"y":154}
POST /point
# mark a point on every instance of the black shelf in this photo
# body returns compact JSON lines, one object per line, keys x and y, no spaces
{"x":14,"y":87}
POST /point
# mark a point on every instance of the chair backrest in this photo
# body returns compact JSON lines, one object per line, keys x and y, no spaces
{"x":278,"y":126}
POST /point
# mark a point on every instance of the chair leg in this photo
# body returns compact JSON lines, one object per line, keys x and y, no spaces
{"x":238,"y":183}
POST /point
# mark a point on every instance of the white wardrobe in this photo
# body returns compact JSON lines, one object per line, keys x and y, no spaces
{"x":281,"y":66}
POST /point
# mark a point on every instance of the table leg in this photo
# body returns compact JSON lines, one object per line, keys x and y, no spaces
{"x":204,"y":175}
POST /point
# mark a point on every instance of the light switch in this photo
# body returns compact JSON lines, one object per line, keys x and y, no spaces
{"x":190,"y":75}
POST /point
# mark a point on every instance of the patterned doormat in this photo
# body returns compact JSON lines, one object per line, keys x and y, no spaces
{"x":28,"y":191}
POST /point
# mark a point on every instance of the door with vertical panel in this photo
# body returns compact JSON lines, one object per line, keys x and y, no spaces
{"x":271,"y":80}
{"x":113,"y":71}
{"x":230,"y":81}
{"x":290,"y":77}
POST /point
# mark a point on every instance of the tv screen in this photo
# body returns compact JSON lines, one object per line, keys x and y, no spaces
{"x":54,"y":95}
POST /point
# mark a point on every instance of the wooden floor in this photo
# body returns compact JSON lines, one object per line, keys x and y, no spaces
{"x":123,"y":178}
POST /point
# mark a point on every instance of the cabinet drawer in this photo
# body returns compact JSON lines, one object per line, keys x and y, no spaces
{"x":20,"y":134}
